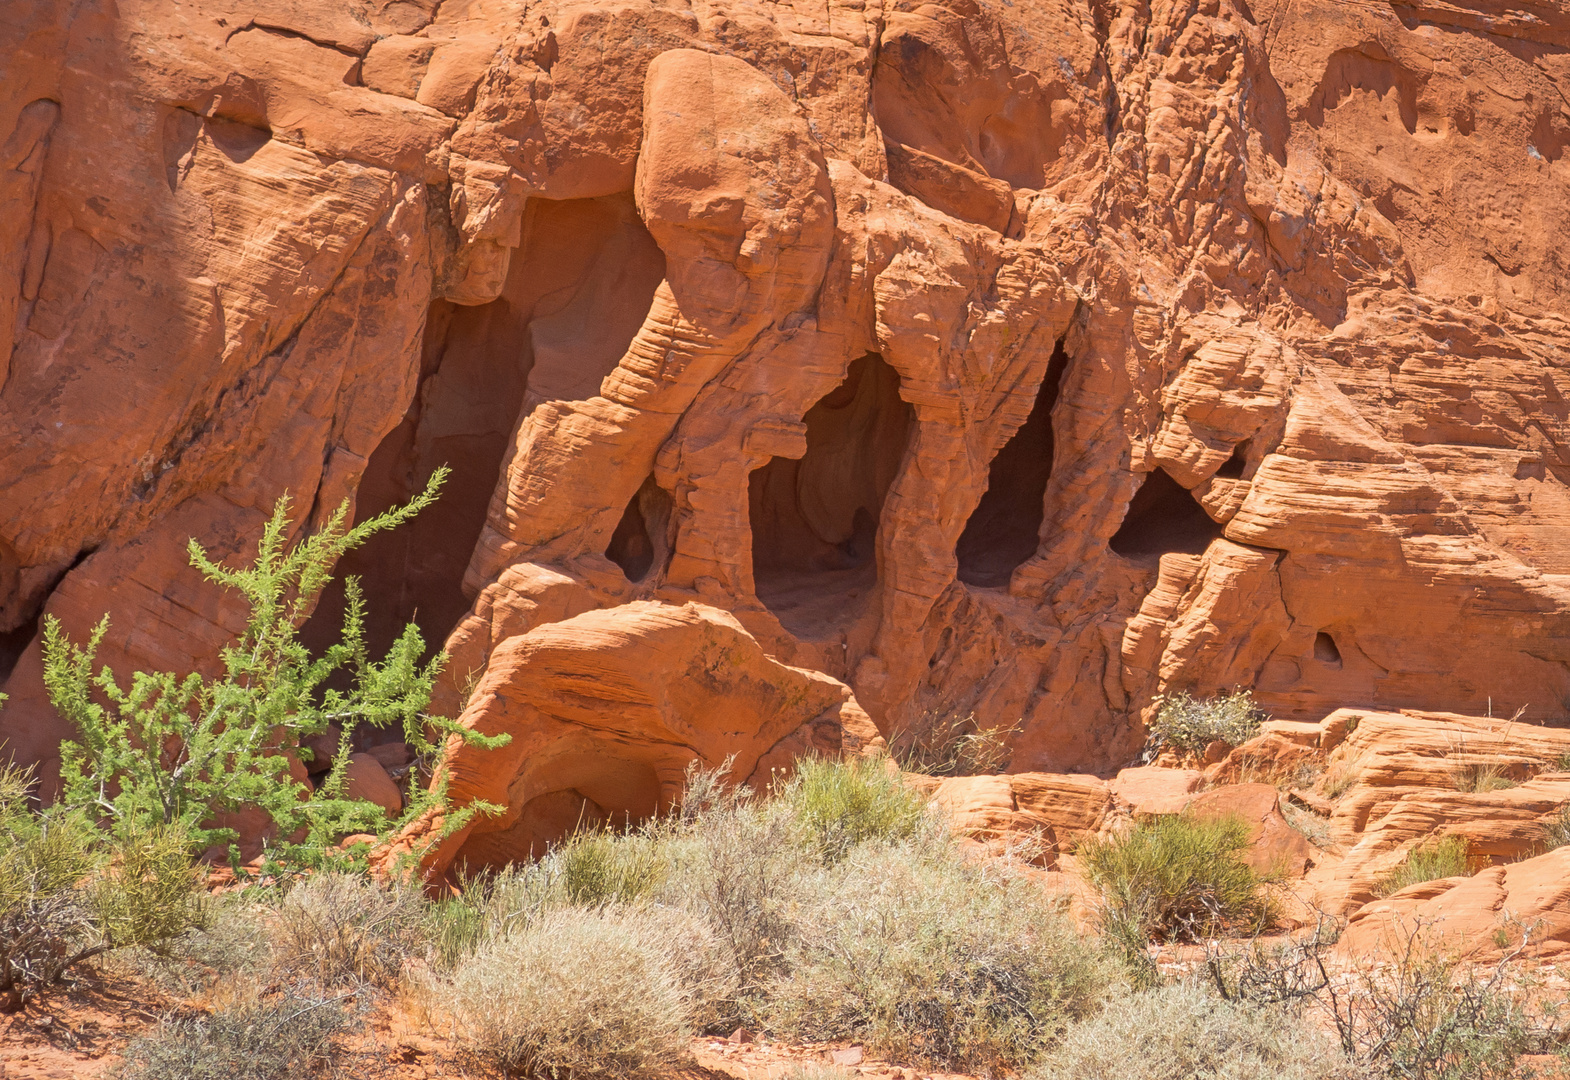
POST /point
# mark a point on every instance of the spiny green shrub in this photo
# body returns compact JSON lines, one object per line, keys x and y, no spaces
{"x":287,"y":1035}
{"x":1175,"y":876}
{"x":1182,"y":1032}
{"x":171,"y":750}
{"x":923,"y":957}
{"x":1189,"y":724}
{"x":848,"y":802}
{"x":1428,"y":862}
{"x":572,"y":993}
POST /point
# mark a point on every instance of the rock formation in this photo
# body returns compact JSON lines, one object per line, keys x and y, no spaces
{"x":1016,"y":360}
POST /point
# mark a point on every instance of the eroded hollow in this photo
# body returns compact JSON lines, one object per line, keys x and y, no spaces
{"x":1005,"y":528}
{"x":586,"y":273}
{"x":640,"y":540}
{"x":1163,"y":518}
{"x":815,"y":521}
{"x":1325,"y":650}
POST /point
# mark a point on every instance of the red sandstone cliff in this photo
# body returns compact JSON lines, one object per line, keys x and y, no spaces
{"x":1025,"y":359}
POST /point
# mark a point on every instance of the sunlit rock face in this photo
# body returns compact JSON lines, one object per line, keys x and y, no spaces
{"x":1023,"y":360}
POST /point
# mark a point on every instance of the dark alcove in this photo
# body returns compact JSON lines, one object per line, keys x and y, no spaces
{"x":815,"y":521}
{"x":1232,"y":468}
{"x":1163,"y":517}
{"x":640,"y":537}
{"x":1005,"y":528}
{"x":1325,"y":650}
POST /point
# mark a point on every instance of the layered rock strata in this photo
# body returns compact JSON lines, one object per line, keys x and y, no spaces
{"x":1015,"y":361}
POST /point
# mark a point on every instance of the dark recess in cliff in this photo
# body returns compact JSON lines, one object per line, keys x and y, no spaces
{"x":1005,"y":528}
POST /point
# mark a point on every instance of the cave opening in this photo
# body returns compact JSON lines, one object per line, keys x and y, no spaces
{"x":577,"y":290}
{"x":815,"y":520}
{"x":641,"y":537}
{"x":1005,"y":529}
{"x":1233,"y":467}
{"x":1325,"y":650}
{"x":1163,"y":518}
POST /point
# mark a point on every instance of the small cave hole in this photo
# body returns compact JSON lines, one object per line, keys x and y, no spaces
{"x":1163,"y":517}
{"x":640,"y":537}
{"x":1005,"y":528}
{"x":1325,"y":650}
{"x":815,"y":520}
{"x":1232,"y":468}
{"x":237,"y":140}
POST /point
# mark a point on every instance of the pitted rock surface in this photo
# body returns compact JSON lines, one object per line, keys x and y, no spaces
{"x":1017,"y":360}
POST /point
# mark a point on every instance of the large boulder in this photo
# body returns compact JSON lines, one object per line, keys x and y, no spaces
{"x":607,"y":711}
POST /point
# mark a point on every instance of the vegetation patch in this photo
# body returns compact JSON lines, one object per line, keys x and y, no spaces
{"x":1428,"y":862}
{"x":1190,"y":724}
{"x":1175,"y":877}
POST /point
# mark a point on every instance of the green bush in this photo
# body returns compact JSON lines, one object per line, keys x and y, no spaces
{"x":1427,"y":862}
{"x":842,"y":803}
{"x":573,"y":993}
{"x":1189,"y":725}
{"x":1183,"y":1032}
{"x":599,"y":867}
{"x":291,"y":1034}
{"x":1176,"y":876}
{"x":180,"y":751}
{"x":924,"y":957}
{"x":69,"y":894}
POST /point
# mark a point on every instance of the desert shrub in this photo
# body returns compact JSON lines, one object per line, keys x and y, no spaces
{"x":1189,"y":724}
{"x":1340,"y":777}
{"x":1183,"y":1031}
{"x":173,"y":750}
{"x":231,"y":945}
{"x":1426,"y":1016}
{"x":922,"y":956}
{"x":602,"y":867}
{"x":953,"y":746}
{"x":1315,"y":829}
{"x":1556,"y":829}
{"x":340,"y":930}
{"x":1428,"y":862}
{"x":572,"y":993}
{"x":842,"y":803}
{"x":734,"y":866}
{"x":1176,"y":876}
{"x":68,"y":893}
{"x":1417,"y":1014}
{"x":1481,"y":776}
{"x":291,"y":1034}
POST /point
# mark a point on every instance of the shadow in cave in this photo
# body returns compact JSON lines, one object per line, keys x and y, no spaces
{"x":577,"y":291}
{"x":641,"y":539}
{"x":1163,"y":517}
{"x":1005,"y":528}
{"x":815,"y":521}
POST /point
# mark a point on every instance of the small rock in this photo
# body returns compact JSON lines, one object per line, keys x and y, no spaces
{"x":1215,"y":751}
{"x":741,"y":1035}
{"x":851,"y":1055}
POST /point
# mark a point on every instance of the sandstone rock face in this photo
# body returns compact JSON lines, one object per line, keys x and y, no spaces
{"x":607,"y":710}
{"x":1022,"y":361}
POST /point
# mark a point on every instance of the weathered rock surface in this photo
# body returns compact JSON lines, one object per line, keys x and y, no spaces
{"x":1023,"y":361}
{"x":1478,"y":917}
{"x":607,"y":710}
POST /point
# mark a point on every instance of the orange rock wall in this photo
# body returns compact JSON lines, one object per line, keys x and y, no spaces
{"x":1252,"y":315}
